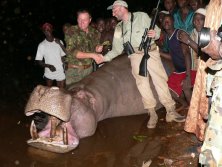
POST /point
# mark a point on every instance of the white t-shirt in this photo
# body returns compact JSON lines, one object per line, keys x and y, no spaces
{"x":51,"y":52}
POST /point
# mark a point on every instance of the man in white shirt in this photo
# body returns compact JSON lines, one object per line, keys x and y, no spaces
{"x":51,"y":51}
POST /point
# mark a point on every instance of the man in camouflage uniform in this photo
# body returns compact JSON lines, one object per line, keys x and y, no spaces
{"x":82,"y":41}
{"x":211,"y":150}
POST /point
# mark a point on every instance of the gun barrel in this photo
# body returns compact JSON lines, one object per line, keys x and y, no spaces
{"x":146,"y":45}
{"x":143,"y":39}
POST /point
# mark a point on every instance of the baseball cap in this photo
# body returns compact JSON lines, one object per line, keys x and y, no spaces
{"x":118,"y":2}
{"x":201,"y":11}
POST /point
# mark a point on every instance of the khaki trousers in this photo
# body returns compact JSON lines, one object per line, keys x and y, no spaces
{"x":159,"y":77}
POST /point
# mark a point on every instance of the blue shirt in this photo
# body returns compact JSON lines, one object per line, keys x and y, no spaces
{"x":176,"y":52}
{"x":186,"y":25}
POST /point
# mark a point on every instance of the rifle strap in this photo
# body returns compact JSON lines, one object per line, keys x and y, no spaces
{"x":131,"y":30}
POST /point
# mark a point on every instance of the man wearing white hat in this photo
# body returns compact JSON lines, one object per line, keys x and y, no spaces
{"x":199,"y":102}
{"x":131,"y":29}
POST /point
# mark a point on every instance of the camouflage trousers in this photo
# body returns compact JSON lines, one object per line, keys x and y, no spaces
{"x":211,"y":151}
{"x":74,"y":75}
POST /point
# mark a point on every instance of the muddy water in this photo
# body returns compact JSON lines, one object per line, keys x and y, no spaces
{"x":118,"y":142}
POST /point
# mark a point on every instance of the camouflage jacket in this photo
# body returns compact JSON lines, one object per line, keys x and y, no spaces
{"x":77,"y":40}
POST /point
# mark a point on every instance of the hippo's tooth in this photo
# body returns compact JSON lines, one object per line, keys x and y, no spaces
{"x":65,"y":136}
{"x":53,"y":126}
{"x":33,"y":131}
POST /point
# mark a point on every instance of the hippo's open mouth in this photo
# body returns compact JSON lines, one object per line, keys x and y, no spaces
{"x":57,"y":136}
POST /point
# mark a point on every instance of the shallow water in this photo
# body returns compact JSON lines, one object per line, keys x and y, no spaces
{"x":118,"y":142}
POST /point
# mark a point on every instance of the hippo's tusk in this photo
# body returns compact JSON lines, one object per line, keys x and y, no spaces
{"x":33,"y":131}
{"x":54,"y":123}
{"x":65,"y":135}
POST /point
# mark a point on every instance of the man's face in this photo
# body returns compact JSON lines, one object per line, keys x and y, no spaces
{"x":169,"y":4}
{"x":83,"y":20}
{"x":194,"y":4}
{"x":113,"y":23}
{"x":198,"y":21}
{"x":117,"y":12}
{"x":161,"y":15}
{"x":48,"y":32}
{"x":167,"y":23}
{"x":182,"y":3}
{"x":101,"y":25}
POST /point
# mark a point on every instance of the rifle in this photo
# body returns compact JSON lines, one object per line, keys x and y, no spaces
{"x":145,"y":44}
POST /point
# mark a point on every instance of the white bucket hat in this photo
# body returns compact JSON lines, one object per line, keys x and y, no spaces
{"x":201,"y":11}
{"x":118,"y":2}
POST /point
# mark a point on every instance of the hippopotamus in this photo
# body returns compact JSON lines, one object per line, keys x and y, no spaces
{"x":74,"y":113}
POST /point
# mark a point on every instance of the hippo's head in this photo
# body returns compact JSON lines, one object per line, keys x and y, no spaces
{"x":52,"y":106}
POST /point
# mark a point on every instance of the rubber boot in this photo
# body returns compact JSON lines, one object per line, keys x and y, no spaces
{"x":172,"y":115}
{"x":153,"y":119}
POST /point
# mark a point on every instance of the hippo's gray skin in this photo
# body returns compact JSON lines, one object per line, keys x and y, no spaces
{"x":109,"y":92}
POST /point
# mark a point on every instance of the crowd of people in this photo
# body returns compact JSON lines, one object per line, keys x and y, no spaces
{"x":179,"y":67}
{"x":84,"y":42}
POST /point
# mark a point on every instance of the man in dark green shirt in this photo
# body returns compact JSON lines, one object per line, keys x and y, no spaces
{"x":82,"y":43}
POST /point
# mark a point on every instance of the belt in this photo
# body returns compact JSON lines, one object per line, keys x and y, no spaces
{"x":80,"y":66}
{"x":85,"y":66}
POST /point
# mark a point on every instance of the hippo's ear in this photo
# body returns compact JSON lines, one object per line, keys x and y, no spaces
{"x":81,"y":94}
{"x":87,"y":97}
{"x":92,"y":102}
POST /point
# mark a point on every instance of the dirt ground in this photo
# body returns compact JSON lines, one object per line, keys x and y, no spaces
{"x":118,"y":142}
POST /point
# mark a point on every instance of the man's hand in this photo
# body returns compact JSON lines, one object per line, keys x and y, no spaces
{"x":98,"y":58}
{"x":99,"y":48}
{"x":51,"y":67}
{"x":186,"y":82}
{"x":184,"y":37}
{"x":151,"y":33}
{"x":214,"y":46}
